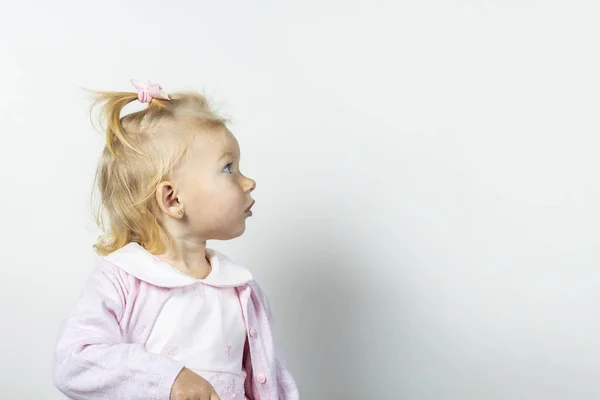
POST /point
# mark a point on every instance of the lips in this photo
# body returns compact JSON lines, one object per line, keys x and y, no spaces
{"x":248,"y":210}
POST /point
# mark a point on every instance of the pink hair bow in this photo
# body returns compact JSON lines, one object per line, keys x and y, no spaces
{"x":148,"y":91}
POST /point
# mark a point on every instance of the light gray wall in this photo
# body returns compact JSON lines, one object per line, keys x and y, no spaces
{"x":427,"y":205}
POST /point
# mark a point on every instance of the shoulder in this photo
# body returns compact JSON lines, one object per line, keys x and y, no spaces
{"x":107,"y":276}
{"x":256,"y":288}
{"x":259,"y":294}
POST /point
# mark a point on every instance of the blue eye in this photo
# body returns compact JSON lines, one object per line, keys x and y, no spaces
{"x":227,"y":168}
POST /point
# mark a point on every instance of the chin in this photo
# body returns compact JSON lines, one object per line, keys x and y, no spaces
{"x":233,"y":234}
{"x":239,"y":233}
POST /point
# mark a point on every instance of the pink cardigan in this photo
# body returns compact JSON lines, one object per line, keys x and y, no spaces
{"x":100,"y":353}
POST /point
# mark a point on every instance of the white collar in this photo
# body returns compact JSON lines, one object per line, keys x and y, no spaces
{"x":137,"y":261}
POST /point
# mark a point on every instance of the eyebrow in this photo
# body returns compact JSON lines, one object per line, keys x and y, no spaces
{"x":227,"y":154}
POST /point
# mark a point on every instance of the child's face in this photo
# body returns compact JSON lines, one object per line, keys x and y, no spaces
{"x":213,"y":192}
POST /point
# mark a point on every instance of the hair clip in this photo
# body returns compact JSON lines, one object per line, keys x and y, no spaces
{"x":148,"y":91}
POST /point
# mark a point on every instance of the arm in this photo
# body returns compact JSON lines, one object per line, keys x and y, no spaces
{"x":92,"y":361}
{"x":286,"y":384}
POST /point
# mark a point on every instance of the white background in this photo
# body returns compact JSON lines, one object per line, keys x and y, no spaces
{"x":428,"y":194}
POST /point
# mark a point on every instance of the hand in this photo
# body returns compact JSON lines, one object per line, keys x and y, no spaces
{"x":190,"y":386}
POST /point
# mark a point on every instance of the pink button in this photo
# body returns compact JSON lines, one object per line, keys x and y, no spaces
{"x":253,"y":332}
{"x":261,"y":378}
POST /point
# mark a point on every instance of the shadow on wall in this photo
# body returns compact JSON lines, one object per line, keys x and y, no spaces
{"x":322,"y":327}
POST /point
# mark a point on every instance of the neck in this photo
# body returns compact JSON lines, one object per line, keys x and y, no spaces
{"x":189,"y":257}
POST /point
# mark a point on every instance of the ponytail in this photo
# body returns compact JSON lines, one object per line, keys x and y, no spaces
{"x":110,"y":116}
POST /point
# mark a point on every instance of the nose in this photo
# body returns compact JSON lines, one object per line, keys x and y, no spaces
{"x":249,"y":185}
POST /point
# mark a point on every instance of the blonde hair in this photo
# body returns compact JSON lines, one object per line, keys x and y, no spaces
{"x":142,"y":149}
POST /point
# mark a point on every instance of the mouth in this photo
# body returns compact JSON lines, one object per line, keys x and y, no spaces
{"x":249,"y":209}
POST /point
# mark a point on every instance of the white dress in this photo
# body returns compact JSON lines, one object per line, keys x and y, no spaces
{"x":202,"y":326}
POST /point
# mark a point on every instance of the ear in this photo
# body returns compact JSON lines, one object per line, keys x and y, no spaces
{"x":167,"y":200}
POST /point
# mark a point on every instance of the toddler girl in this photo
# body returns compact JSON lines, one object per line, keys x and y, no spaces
{"x":162,"y":316}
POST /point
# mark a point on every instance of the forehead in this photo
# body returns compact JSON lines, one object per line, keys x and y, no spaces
{"x":213,"y":144}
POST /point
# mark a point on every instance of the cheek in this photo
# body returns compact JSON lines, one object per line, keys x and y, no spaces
{"x":224,"y":199}
{"x":232,"y":200}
